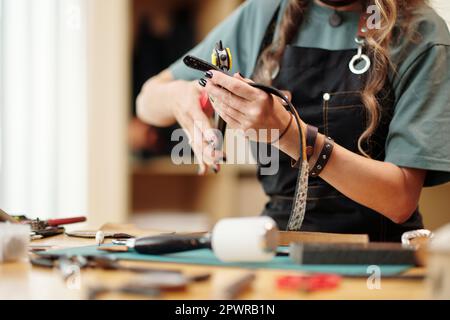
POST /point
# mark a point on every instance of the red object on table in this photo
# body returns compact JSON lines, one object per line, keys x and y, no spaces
{"x":59,"y":222}
{"x":309,"y":283}
{"x":206,"y":105}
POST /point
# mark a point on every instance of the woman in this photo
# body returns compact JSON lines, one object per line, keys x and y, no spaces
{"x":390,"y":124}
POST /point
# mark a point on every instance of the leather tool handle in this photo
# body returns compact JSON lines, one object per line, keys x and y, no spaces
{"x":171,"y":244}
{"x":206,"y":105}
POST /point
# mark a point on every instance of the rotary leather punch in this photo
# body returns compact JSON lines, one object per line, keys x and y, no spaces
{"x":222,"y":60}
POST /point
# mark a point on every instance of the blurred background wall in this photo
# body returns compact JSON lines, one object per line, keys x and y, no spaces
{"x":435,"y":202}
{"x":44,"y":107}
{"x":69,"y":139}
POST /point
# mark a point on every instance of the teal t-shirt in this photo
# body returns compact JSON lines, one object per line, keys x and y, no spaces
{"x":419,"y":133}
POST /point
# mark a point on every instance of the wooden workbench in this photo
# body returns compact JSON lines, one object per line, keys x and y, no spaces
{"x":23,"y":281}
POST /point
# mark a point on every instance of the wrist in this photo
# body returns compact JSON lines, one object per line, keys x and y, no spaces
{"x":179,"y":90}
{"x":290,"y":141}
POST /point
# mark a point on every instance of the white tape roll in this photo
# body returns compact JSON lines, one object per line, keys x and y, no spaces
{"x":14,"y":241}
{"x":252,"y":239}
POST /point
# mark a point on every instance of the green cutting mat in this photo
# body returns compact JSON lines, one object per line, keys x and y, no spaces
{"x":206,"y":257}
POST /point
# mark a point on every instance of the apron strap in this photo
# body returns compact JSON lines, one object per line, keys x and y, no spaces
{"x":269,"y":35}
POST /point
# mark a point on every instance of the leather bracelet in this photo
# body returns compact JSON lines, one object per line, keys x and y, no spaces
{"x":324,"y":156}
{"x":284,"y":131}
{"x":311,"y":137}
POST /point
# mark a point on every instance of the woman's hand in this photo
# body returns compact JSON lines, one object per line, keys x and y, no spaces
{"x":202,"y":138}
{"x":164,"y":101}
{"x":246,"y":108}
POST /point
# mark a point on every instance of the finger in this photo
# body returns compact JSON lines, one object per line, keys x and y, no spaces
{"x":228,"y":114}
{"x":188,"y":126}
{"x":201,"y":158}
{"x":225,"y":96}
{"x":231,"y":122}
{"x":203,"y":149}
{"x":201,"y":120}
{"x":288,"y":94}
{"x":210,"y":157}
{"x":242,"y":78}
{"x":236,"y":86}
{"x":202,"y":166}
{"x":202,"y":169}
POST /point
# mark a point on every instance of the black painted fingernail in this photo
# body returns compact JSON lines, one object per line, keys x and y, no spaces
{"x":209,"y":74}
{"x":202,"y":82}
{"x":241,"y":75}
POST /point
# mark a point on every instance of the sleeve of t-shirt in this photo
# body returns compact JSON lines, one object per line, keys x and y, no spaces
{"x":242,"y":32}
{"x":419,"y":133}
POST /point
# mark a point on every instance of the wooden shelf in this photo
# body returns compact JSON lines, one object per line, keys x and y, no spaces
{"x":159,"y":185}
{"x":165,"y":166}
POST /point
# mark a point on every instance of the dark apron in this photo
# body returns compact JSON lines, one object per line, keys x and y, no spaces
{"x":309,"y":74}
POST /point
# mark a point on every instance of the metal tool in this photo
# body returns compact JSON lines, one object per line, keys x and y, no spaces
{"x":95,"y":292}
{"x":222,"y":59}
{"x":164,"y":244}
{"x":37,"y":224}
{"x":42,"y":228}
{"x":237,"y":287}
{"x":46,"y":232}
{"x":96,"y":262}
{"x":151,"y":285}
{"x":92,"y":234}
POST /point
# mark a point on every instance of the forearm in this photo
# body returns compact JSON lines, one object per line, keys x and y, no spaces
{"x":381,"y":186}
{"x":154,"y":105}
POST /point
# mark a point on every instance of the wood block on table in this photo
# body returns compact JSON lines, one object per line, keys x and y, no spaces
{"x":286,"y":238}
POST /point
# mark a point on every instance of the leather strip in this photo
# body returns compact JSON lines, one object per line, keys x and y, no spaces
{"x":311,"y":137}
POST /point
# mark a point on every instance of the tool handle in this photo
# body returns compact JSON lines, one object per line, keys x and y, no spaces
{"x":199,"y":64}
{"x":59,"y":222}
{"x":206,"y":105}
{"x":171,"y":244}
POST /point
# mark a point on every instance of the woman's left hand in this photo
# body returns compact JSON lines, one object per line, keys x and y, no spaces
{"x":246,"y":108}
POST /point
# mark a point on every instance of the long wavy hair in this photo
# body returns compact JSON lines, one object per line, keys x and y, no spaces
{"x":396,"y":17}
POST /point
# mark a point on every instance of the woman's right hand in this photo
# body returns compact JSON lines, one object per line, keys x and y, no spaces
{"x":203,"y":139}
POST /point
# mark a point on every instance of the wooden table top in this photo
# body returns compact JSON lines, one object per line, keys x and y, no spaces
{"x":24,"y":281}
